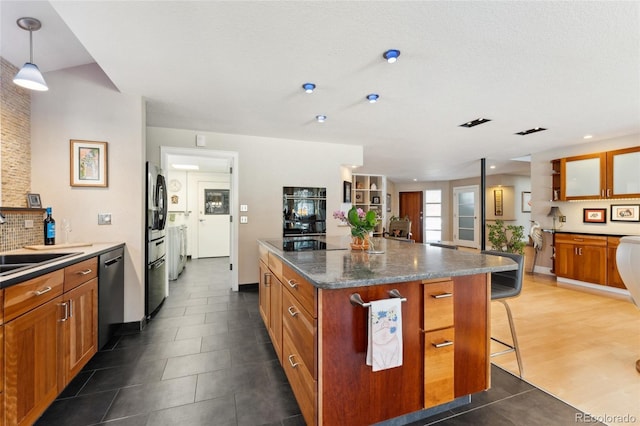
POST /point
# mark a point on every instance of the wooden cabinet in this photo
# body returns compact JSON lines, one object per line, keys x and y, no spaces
{"x":369,"y":193}
{"x":438,"y":342}
{"x":270,"y":306}
{"x":612,"y":174}
{"x":32,"y":343}
{"x":581,"y":257}
{"x":49,"y":336}
{"x":79,"y":329}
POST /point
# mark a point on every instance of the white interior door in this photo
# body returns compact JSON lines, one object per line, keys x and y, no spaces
{"x":466,"y":222}
{"x":214,"y":226}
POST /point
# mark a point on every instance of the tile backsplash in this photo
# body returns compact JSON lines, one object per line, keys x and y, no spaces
{"x":14,"y":235}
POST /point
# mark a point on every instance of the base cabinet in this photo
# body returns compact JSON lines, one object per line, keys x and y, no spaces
{"x":51,"y":332}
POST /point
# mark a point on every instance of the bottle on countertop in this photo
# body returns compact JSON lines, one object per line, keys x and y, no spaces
{"x":49,"y":229}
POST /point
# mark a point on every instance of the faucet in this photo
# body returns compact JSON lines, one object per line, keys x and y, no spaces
{"x":3,"y":219}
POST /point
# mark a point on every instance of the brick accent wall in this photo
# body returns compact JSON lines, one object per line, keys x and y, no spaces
{"x":15,"y":139}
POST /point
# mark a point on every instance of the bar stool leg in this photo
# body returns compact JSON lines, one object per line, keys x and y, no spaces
{"x":514,"y":338}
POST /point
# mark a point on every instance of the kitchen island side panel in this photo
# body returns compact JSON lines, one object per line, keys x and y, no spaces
{"x":349,"y":392}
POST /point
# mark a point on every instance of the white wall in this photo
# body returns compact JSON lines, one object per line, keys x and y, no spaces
{"x":83,"y":104}
{"x":266,"y":165}
{"x":541,"y":191}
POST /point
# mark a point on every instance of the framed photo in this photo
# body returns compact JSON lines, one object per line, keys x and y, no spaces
{"x":526,"y":202}
{"x":33,"y":201}
{"x":498,"y":205}
{"x":625,"y":212}
{"x":88,"y":163}
{"x":359,"y":197}
{"x":388,"y":202}
{"x":346,"y":191}
{"x":375,"y":200}
{"x":594,"y":215}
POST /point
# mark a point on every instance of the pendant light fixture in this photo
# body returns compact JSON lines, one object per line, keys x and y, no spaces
{"x":29,"y":75}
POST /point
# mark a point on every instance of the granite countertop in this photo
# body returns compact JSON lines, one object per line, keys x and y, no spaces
{"x":79,"y":254}
{"x":340,"y":267}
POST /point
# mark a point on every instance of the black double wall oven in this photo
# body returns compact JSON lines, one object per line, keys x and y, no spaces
{"x":304,"y":211}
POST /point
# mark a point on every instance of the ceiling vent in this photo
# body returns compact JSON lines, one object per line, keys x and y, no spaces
{"x":475,"y":122}
{"x":528,"y":132}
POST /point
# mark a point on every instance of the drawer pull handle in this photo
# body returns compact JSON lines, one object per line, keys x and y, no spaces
{"x":293,"y":364}
{"x":442,"y":295}
{"x":443,"y":344}
{"x":292,"y":283}
{"x":292,"y":312}
{"x":43,"y":291}
{"x":578,"y":239}
{"x":85,"y":272}
{"x":267,"y":279}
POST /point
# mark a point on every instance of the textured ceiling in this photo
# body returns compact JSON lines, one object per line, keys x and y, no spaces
{"x":238,"y":67}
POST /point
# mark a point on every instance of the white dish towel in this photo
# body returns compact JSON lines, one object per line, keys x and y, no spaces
{"x":385,"y":334}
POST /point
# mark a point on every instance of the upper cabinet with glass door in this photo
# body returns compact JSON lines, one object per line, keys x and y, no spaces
{"x":612,"y":174}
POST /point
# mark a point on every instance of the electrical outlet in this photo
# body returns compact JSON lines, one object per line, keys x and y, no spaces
{"x":244,"y":219}
{"x":244,"y":208}
{"x":28,"y":223}
{"x":104,"y":218}
{"x":563,"y":218}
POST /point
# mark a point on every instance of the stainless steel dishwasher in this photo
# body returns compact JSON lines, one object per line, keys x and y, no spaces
{"x":110,"y":294}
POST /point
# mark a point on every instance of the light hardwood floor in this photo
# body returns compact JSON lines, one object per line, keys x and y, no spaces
{"x":577,"y":346}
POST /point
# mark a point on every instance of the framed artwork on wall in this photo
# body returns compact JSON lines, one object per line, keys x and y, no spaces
{"x":88,"y":163}
{"x":346,"y":191}
{"x":498,"y":205}
{"x":33,"y":201}
{"x":594,"y":215}
{"x":526,"y":202}
{"x":625,"y":212}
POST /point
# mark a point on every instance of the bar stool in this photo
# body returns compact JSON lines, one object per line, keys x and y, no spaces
{"x":505,"y":285}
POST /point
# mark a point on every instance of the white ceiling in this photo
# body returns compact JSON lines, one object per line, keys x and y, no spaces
{"x":238,"y":67}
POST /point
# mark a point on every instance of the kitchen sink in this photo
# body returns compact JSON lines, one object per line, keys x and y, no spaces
{"x":13,"y":263}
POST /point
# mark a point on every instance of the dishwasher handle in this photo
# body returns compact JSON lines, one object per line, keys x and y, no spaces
{"x":112,"y":261}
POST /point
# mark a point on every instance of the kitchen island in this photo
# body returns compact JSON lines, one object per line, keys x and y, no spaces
{"x":311,"y":300}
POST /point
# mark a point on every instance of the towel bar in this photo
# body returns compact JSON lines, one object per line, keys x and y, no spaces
{"x":356,"y":300}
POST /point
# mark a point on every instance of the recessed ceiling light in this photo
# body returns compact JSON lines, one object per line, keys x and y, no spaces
{"x":415,"y":179}
{"x":587,"y":136}
{"x":391,"y":55}
{"x":309,"y":87}
{"x":321,"y":118}
{"x":492,"y":166}
{"x":372,"y":98}
{"x":475,"y":122}
{"x":528,"y":132}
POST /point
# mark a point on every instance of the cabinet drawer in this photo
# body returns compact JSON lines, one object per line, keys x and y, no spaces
{"x":275,"y":265}
{"x":438,"y":305}
{"x":594,"y":240}
{"x":25,"y":296}
{"x":301,"y":289}
{"x":301,"y":327}
{"x":438,"y":367}
{"x":303,"y":386}
{"x":81,"y":272}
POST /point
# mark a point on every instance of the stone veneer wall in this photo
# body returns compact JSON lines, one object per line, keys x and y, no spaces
{"x":14,"y":235}
{"x":15,"y":139}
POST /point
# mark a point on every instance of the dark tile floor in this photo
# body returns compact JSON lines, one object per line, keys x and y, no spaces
{"x":206,"y":359}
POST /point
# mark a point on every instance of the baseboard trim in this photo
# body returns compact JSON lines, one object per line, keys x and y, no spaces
{"x":600,"y":290}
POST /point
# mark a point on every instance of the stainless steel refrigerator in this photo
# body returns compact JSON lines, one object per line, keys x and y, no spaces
{"x":156,"y":220}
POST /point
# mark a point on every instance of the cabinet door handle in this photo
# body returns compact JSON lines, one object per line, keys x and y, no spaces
{"x":66,"y":312}
{"x":293,"y":364}
{"x":292,"y":283}
{"x":443,"y":344}
{"x":580,"y":251}
{"x":43,"y":291}
{"x":442,"y":295}
{"x":85,"y":272}
{"x":292,"y":312}
{"x":267,"y":279}
{"x":602,"y":193}
{"x":608,"y":192}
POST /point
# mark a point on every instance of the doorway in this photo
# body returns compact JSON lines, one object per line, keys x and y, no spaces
{"x":466,"y":222}
{"x":230,"y":158}
{"x":411,"y":205}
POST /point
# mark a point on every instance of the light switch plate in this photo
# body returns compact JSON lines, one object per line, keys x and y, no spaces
{"x":244,"y":219}
{"x":244,"y":208}
{"x":104,"y":218}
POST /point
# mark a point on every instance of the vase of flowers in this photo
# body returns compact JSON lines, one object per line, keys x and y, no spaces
{"x":361,"y":223}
